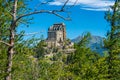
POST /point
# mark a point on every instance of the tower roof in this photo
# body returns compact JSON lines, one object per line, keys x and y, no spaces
{"x":57,"y":26}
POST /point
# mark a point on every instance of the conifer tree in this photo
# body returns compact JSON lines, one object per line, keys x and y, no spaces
{"x":81,"y":62}
{"x":112,"y":42}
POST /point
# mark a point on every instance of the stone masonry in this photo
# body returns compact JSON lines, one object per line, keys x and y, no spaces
{"x":56,"y":35}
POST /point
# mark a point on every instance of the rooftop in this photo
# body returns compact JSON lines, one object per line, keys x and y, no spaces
{"x":57,"y":26}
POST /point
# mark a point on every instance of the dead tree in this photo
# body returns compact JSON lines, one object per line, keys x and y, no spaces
{"x":13,"y":27}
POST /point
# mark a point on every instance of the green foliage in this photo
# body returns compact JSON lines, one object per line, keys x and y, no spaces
{"x":81,"y":62}
{"x":112,"y":42}
{"x":85,"y":39}
{"x":39,"y":49}
{"x":3,"y":61}
{"x":4,"y":23}
{"x":25,"y":65}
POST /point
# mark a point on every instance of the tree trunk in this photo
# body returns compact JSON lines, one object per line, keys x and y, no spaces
{"x":11,"y":41}
{"x":10,"y":55}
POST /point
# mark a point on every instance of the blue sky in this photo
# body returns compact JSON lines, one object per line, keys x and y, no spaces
{"x":87,"y":16}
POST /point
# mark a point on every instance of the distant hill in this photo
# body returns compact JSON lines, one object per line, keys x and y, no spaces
{"x":96,"y":43}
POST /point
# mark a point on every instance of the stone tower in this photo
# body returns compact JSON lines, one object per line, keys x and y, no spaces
{"x":56,"y":34}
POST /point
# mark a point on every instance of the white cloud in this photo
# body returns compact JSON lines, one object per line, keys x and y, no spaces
{"x":56,"y":3}
{"x":95,"y":9}
{"x":97,"y":5}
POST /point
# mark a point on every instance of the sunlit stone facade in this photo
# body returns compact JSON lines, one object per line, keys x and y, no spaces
{"x":56,"y":35}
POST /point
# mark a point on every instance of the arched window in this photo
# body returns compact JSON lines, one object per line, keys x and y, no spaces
{"x":55,"y":28}
{"x":61,"y":28}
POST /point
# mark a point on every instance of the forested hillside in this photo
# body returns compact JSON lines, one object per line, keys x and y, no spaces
{"x":22,"y":59}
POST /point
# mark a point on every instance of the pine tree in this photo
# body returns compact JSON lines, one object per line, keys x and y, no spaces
{"x":112,"y":42}
{"x":81,"y":62}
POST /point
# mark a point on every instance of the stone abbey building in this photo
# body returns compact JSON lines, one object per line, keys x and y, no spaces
{"x":56,"y":35}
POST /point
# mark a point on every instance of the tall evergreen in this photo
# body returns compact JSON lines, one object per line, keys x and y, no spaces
{"x":112,"y":42}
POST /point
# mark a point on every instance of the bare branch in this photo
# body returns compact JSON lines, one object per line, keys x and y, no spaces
{"x":35,"y":12}
{"x":5,"y":43}
{"x":62,"y":9}
{"x":25,"y":23}
{"x":43,"y":11}
{"x":29,"y":34}
{"x":73,"y":4}
{"x":60,"y":16}
{"x":41,"y":3}
{"x":47,"y":11}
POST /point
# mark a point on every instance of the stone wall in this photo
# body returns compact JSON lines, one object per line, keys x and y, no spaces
{"x":56,"y":35}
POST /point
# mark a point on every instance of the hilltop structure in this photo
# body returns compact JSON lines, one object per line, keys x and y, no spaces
{"x":56,"y":35}
{"x":57,"y":41}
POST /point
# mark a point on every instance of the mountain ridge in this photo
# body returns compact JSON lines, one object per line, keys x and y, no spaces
{"x":96,"y":43}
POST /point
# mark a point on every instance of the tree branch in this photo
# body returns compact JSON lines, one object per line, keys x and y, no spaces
{"x":62,"y":8}
{"x":42,"y":3}
{"x":60,"y":16}
{"x":29,"y":34}
{"x":5,"y":43}
{"x":43,"y":11}
{"x":73,"y":4}
{"x":47,"y":11}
